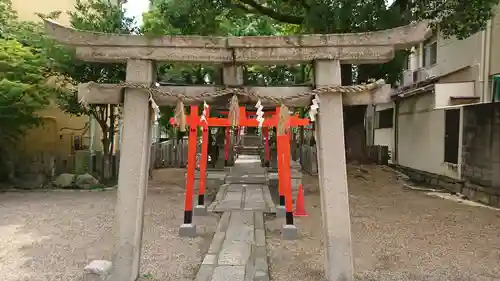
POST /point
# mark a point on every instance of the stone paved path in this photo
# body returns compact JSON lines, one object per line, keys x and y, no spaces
{"x":246,"y":188}
{"x":238,"y":248}
{"x":247,"y":197}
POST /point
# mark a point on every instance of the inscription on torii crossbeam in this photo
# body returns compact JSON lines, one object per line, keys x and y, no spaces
{"x":358,"y":48}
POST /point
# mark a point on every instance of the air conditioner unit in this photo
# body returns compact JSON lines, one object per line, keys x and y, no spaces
{"x":422,"y":74}
{"x":407,"y":78}
{"x":414,"y":76}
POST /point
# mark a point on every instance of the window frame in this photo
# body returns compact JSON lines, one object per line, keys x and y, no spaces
{"x":386,"y":124}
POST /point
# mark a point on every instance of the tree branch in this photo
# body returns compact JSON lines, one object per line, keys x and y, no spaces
{"x":303,"y":3}
{"x":258,"y":8}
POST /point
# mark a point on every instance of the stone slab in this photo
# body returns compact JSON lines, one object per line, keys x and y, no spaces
{"x":229,"y":273}
{"x":254,"y":198}
{"x":205,"y":273}
{"x":260,"y":237}
{"x":234,"y":253}
{"x":97,"y":270}
{"x":224,"y":222}
{"x":258,"y":220}
{"x":210,"y":260}
{"x":241,"y":218}
{"x":238,"y":249}
{"x":246,"y":180}
{"x":248,"y":197}
{"x":250,"y":266}
{"x":216,"y":244}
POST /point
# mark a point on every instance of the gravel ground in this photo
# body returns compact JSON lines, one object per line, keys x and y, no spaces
{"x":51,"y":236}
{"x":398,"y":234}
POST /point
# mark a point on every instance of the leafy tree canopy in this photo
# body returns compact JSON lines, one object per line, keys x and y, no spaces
{"x":25,"y":86}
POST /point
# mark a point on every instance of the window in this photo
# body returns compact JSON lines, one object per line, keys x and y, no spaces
{"x":451,"y":135}
{"x":495,"y":88}
{"x":406,"y":63}
{"x":430,"y":54}
{"x":384,"y":118}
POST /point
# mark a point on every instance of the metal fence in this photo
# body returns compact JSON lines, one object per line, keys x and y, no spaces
{"x":170,"y":154}
{"x":308,"y":159}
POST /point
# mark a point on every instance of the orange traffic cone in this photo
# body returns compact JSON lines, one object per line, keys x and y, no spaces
{"x":300,"y":209}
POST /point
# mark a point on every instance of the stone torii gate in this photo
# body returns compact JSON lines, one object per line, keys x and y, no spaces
{"x":326,"y":52}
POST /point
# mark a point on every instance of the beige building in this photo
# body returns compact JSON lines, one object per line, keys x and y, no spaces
{"x":61,"y":134}
{"x":426,"y":125}
{"x":28,"y":10}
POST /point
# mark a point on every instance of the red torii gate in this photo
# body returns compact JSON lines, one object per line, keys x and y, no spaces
{"x":265,"y":131}
{"x":284,"y":173}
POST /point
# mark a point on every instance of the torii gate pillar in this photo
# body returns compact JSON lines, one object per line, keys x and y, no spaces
{"x":133,"y":175}
{"x":333,"y":175}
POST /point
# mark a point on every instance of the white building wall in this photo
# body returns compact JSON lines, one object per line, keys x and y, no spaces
{"x":384,"y":136}
{"x":454,"y":54}
{"x":444,"y":91}
{"x":421,"y":136}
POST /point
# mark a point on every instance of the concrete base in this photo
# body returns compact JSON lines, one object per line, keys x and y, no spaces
{"x":280,"y":211}
{"x":187,"y":230}
{"x":97,"y":270}
{"x":200,"y":210}
{"x":289,"y":232}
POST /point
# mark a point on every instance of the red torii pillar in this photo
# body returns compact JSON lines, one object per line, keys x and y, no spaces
{"x":188,"y":229}
{"x":201,"y":208}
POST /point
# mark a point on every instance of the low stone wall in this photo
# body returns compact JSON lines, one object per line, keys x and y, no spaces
{"x":468,"y":190}
{"x":377,"y":154}
{"x":481,"y":152}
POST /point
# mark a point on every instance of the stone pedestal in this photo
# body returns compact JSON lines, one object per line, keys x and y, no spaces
{"x":289,"y":232}
{"x":187,"y":230}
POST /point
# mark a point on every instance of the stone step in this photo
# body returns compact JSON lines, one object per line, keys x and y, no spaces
{"x":249,"y":179}
{"x":247,"y":197}
{"x":250,"y":150}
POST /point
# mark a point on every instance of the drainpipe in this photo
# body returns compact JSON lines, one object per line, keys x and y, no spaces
{"x":480,"y":77}
{"x":394,"y":156}
{"x":420,"y":56}
{"x":91,"y":134}
{"x":486,"y":65}
{"x":119,"y":134}
{"x":91,"y":141}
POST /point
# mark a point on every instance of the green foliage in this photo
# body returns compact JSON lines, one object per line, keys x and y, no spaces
{"x":100,"y":16}
{"x":459,"y":18}
{"x":24,"y":74}
{"x":22,"y":90}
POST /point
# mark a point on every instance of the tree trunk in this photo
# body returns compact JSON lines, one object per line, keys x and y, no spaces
{"x":111,"y":138}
